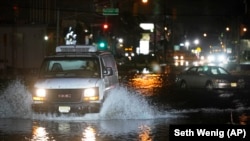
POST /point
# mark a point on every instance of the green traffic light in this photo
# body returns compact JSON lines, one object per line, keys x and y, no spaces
{"x":102,"y":44}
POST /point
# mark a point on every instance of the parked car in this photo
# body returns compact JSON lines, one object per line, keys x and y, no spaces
{"x":208,"y":77}
{"x":77,"y":79}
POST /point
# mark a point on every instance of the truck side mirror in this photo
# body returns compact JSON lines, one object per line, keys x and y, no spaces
{"x":108,"y":71}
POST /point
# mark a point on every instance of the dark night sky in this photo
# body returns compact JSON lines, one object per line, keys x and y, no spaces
{"x":208,"y":7}
{"x":203,"y":11}
{"x":183,"y":8}
{"x":207,"y":15}
{"x":198,"y":15}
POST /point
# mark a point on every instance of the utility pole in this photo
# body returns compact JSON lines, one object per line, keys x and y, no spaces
{"x":164,"y":33}
{"x":57,"y":26}
{"x":238,"y":45}
{"x":245,"y":3}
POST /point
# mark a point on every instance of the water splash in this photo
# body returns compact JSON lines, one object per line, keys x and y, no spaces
{"x":122,"y":103}
{"x":15,"y":101}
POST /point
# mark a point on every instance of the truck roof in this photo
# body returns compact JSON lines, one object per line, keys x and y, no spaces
{"x":78,"y":51}
{"x":76,"y":48}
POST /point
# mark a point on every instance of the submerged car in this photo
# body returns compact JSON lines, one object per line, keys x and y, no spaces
{"x":77,"y":79}
{"x":208,"y":77}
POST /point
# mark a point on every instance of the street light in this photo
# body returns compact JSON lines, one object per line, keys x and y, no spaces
{"x":187,"y":45}
{"x":244,"y":29}
{"x":204,"y":34}
{"x":120,"y":40}
{"x":46,"y":38}
{"x":144,"y":1}
{"x":196,"y":41}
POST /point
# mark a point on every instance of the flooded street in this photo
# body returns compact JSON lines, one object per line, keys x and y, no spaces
{"x":124,"y":70}
{"x":142,"y":108}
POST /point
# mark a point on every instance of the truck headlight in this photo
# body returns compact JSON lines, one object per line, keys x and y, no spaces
{"x":41,"y":92}
{"x":90,"y":94}
{"x":40,"y":95}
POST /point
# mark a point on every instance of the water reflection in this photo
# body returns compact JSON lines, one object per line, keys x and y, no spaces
{"x":244,"y":119}
{"x":89,"y":134}
{"x":93,"y":131}
{"x":52,"y":131}
{"x":40,"y":134}
{"x":146,"y":83}
{"x":64,"y":127}
{"x":111,"y":130}
{"x":145,"y":133}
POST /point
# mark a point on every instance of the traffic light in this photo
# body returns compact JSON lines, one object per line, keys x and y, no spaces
{"x":15,"y":10}
{"x":105,"y":26}
{"x":102,"y":45}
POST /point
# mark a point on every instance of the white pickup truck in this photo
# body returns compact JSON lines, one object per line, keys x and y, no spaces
{"x":77,"y":79}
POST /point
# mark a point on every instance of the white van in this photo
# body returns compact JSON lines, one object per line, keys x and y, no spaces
{"x":76,"y":79}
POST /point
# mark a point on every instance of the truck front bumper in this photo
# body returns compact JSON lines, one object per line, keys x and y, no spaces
{"x":66,"y":108}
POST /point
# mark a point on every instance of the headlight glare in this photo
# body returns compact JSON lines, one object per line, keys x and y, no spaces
{"x":41,"y":92}
{"x":221,"y":58}
{"x":90,"y":94}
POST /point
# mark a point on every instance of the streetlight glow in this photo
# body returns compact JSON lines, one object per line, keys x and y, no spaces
{"x":46,"y":37}
{"x":196,"y":41}
{"x":120,"y":40}
{"x":244,"y":29}
{"x":187,"y":44}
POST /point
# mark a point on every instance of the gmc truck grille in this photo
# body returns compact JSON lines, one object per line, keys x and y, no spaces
{"x":64,"y":95}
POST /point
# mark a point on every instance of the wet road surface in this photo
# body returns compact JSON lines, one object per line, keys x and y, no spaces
{"x":142,"y":108}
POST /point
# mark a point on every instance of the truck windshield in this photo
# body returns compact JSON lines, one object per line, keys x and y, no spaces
{"x":73,"y":67}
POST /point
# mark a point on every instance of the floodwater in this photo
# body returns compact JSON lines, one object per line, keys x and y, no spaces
{"x":143,"y":112}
